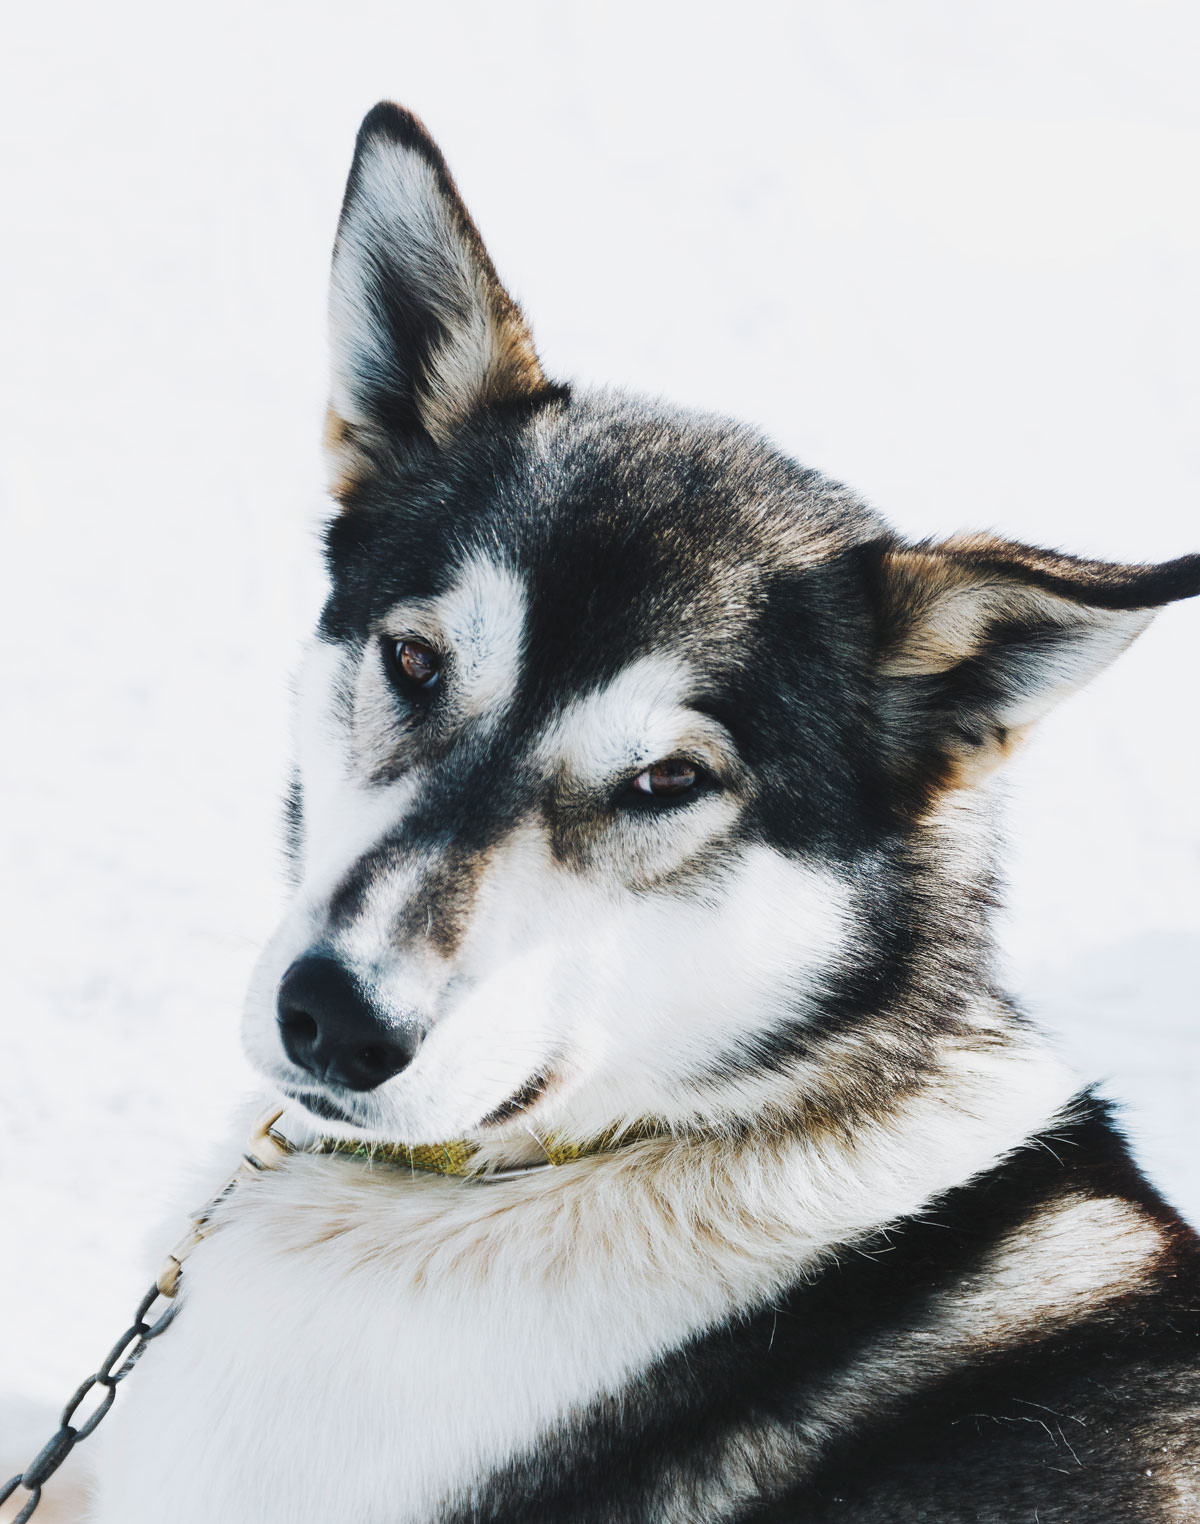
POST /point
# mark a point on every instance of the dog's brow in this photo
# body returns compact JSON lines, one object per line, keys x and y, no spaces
{"x":639,"y":717}
{"x":480,"y":621}
{"x":484,"y":616}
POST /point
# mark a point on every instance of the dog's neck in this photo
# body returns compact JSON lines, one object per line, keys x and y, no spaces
{"x":826,"y":1177}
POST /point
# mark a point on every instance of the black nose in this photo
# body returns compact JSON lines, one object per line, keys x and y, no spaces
{"x":329,"y":1027}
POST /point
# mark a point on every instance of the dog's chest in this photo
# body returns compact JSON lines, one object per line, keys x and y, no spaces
{"x":372,"y":1352}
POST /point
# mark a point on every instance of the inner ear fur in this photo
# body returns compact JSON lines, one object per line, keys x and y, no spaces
{"x":423,"y":334}
{"x":979,"y":637}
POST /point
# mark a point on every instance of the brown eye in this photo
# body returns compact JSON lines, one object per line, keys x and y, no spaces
{"x":667,"y":779}
{"x":417,"y":663}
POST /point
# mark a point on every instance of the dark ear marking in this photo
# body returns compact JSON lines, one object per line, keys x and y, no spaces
{"x":1101,"y":584}
{"x":979,"y":637}
{"x":423,"y":334}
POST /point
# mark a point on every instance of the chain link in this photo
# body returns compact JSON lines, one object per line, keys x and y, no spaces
{"x":265,"y":1151}
{"x":124,"y":1355}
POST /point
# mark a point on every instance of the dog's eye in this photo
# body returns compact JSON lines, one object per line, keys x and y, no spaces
{"x":414,"y":663}
{"x":667,"y":780}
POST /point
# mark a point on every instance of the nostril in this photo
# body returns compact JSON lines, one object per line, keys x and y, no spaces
{"x":299,"y":1026}
{"x":300,"y":1034}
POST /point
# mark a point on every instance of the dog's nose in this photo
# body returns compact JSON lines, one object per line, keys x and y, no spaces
{"x":329,"y":1027}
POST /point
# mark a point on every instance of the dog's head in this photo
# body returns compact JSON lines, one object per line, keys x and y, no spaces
{"x":623,"y":738}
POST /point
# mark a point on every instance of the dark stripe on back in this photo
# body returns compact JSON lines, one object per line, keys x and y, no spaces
{"x":770,"y":1367}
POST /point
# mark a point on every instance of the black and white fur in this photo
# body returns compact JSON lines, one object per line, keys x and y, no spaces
{"x":864,"y":1254}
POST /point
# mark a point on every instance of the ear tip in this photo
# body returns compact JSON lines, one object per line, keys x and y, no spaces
{"x":1185,"y":573}
{"x":394,"y":124}
{"x":1167,"y":582}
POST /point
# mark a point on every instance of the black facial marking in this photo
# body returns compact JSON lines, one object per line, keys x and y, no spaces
{"x":635,"y":534}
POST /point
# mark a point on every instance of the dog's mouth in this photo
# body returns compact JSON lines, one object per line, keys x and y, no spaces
{"x":324,"y":1106}
{"x":522,"y":1100}
{"x":330,"y":1109}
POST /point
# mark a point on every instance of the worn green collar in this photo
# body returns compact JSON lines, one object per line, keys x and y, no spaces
{"x":459,"y":1157}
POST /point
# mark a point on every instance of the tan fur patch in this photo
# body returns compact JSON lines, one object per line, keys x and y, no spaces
{"x":941,"y":602}
{"x":968,"y":766}
{"x":981,"y":638}
{"x":347,"y":462}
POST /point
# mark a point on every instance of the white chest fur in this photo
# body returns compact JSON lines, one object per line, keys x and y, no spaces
{"x":360,"y":1344}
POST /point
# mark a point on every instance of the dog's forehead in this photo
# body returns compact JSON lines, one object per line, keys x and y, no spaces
{"x":641,"y":501}
{"x":589,"y":536}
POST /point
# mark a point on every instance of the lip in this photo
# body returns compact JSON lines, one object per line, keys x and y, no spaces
{"x":322,"y":1106}
{"x":521,"y":1101}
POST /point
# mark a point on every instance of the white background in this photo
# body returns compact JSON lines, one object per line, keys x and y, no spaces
{"x":946,"y":252}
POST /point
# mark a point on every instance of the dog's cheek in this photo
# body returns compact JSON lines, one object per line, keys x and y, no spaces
{"x":665,"y":988}
{"x":668,"y":849}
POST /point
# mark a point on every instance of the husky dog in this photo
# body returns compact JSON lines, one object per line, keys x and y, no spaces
{"x":642,"y":824}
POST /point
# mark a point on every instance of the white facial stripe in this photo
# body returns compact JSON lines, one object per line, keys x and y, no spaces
{"x":480,"y":626}
{"x":611,"y":992}
{"x":483,"y":616}
{"x":640,"y":717}
{"x":342,"y":820}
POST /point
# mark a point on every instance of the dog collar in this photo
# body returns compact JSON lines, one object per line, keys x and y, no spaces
{"x":458,"y":1157}
{"x":278,"y":1134}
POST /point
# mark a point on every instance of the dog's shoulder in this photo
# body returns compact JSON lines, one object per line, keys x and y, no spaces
{"x":1060,"y":1376}
{"x":1028,"y":1341}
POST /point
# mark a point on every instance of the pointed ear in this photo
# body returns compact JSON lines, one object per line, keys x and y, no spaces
{"x":980,"y":637}
{"x":423,"y":333}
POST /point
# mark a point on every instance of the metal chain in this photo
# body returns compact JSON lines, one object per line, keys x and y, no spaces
{"x":266,"y":1149}
{"x":124,"y":1355}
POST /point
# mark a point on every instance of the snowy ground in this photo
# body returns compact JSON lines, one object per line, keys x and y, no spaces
{"x":944,"y":252}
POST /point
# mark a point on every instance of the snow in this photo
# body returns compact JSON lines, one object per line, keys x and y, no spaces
{"x":944,"y":252}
